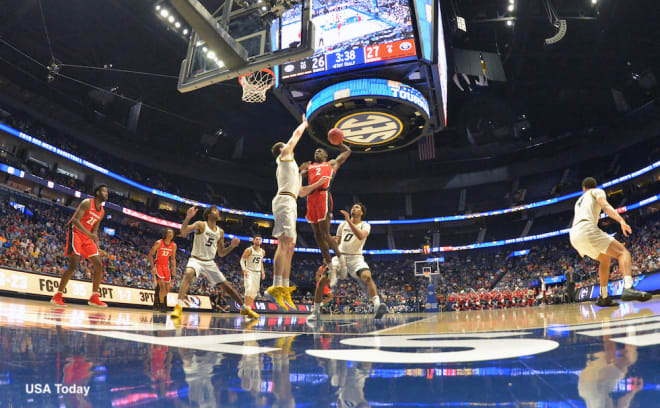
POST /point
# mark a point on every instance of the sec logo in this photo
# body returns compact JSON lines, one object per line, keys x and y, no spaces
{"x":289,"y":68}
{"x":405,"y":46}
{"x":370,"y":128}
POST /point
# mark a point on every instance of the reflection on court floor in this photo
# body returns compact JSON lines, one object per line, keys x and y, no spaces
{"x":556,"y":356}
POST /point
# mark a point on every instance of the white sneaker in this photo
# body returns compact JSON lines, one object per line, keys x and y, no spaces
{"x":332,"y":275}
{"x":313,"y":316}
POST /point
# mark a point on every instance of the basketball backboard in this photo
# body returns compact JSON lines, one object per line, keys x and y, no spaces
{"x":238,"y":38}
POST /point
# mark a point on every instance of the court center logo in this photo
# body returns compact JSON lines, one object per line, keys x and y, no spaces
{"x":370,"y":128}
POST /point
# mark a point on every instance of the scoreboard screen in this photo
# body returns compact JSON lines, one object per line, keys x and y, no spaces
{"x":350,"y":34}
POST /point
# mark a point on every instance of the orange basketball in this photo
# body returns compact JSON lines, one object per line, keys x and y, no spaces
{"x":335,"y":136}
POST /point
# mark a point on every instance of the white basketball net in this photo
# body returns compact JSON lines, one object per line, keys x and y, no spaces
{"x":256,"y":84}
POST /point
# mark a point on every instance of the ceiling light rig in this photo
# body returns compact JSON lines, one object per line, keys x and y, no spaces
{"x":169,"y":18}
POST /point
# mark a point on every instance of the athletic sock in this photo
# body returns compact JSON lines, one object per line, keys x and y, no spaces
{"x":285,"y":282}
{"x":603,"y":291}
{"x":376,"y":301}
{"x":627,"y":282}
{"x":277,"y":280}
{"x":317,"y":308}
{"x":243,"y":307}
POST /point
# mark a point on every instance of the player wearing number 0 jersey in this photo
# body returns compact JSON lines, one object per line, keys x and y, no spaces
{"x":209,"y":241}
{"x":352,"y":234}
{"x":252,"y":266}
{"x":319,"y":205}
{"x":591,"y":241}
{"x":164,"y":251}
{"x":82,"y":242}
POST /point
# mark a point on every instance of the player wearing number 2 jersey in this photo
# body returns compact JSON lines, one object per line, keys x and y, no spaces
{"x":589,"y":240}
{"x":208,"y":242}
{"x":252,"y":265}
{"x":82,"y":242}
{"x":352,"y":234}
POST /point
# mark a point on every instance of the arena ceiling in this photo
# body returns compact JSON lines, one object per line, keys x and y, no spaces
{"x":610,"y":48}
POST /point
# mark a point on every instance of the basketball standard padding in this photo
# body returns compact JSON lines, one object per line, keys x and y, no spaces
{"x":335,"y":136}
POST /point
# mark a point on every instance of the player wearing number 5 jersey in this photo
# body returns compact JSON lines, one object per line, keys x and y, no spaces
{"x":82,"y":242}
{"x":352,"y":234}
{"x":208,"y":242}
{"x":164,"y":250}
{"x":252,"y":265}
{"x":591,"y":241}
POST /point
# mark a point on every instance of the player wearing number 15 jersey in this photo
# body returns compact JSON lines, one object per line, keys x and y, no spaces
{"x":82,"y":242}
{"x":352,"y":234}
{"x":590,"y":240}
{"x":252,"y":265}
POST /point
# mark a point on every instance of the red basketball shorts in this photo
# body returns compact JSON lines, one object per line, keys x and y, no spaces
{"x":163,"y":272}
{"x":319,"y":206}
{"x":79,"y":244}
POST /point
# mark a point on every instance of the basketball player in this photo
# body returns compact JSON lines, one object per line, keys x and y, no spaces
{"x":319,"y":206}
{"x":589,"y":240}
{"x":165,"y":252}
{"x":252,"y":266}
{"x":285,"y":213}
{"x":352,"y":233}
{"x":82,"y":241}
{"x":207,"y":243}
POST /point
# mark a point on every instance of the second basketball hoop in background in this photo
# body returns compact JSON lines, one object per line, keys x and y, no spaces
{"x":255,"y":85}
{"x":335,"y":136}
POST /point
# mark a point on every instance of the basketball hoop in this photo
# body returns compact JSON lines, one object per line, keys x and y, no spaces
{"x":255,"y":84}
{"x":427,"y":273}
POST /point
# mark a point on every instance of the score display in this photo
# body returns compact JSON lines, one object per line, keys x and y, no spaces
{"x":350,"y":34}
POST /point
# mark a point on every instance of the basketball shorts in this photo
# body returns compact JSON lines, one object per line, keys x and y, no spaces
{"x":319,"y":206}
{"x":163,"y":272}
{"x":79,"y":244}
{"x":207,"y":268}
{"x":589,"y":240}
{"x":355,"y":265}
{"x":285,"y":213}
{"x":252,"y":282}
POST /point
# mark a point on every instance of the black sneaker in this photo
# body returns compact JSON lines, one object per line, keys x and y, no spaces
{"x":163,"y":308}
{"x":605,"y":302}
{"x":380,"y":311}
{"x":634,"y":294}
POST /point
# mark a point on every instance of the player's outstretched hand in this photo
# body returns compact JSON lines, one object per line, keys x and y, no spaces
{"x":346,"y":215}
{"x":625,"y":228}
{"x":304,"y":120}
{"x":191,"y":211}
{"x":235,"y":242}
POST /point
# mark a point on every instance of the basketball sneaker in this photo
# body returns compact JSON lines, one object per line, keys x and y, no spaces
{"x":58,"y":299}
{"x":315,"y":315}
{"x":381,"y":310}
{"x":95,"y":301}
{"x":342,"y":271}
{"x":332,"y":274}
{"x":249,"y":313}
{"x":286,"y":294}
{"x":275,"y":295}
{"x":163,"y":308}
{"x":177,"y":312}
{"x":605,"y":302}
{"x":634,"y":294}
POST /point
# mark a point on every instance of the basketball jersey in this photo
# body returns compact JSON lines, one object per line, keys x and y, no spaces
{"x":587,"y":207}
{"x":91,"y":217}
{"x":164,"y":253}
{"x":350,"y":244}
{"x":288,"y":177}
{"x":205,"y":245}
{"x":318,"y":170}
{"x":254,"y":260}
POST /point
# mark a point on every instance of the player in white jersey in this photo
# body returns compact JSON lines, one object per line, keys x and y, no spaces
{"x":352,"y":234}
{"x":208,"y":242}
{"x":591,"y":241}
{"x":285,"y":214}
{"x":252,"y":265}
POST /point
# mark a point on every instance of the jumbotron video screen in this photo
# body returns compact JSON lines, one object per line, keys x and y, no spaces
{"x":350,"y":34}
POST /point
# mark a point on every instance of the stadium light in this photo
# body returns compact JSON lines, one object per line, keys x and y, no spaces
{"x":594,"y":2}
{"x":164,"y":13}
{"x":185,"y":31}
{"x":157,"y":7}
{"x":509,"y":23}
{"x":171,"y":19}
{"x":177,"y":24}
{"x":211,"y":55}
{"x":511,"y":7}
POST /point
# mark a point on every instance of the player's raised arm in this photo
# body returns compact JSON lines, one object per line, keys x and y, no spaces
{"x":343,"y":156}
{"x":359,"y":233}
{"x":611,"y":212}
{"x":287,"y":150}
{"x":196,"y":226}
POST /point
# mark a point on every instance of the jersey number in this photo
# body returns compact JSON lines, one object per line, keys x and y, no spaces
{"x":318,"y":171}
{"x":348,"y":237}
{"x":209,"y":242}
{"x":91,"y":221}
{"x":256,"y":259}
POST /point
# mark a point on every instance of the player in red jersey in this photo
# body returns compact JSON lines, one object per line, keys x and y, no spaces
{"x":82,"y":241}
{"x":319,"y":205}
{"x":165,"y":252}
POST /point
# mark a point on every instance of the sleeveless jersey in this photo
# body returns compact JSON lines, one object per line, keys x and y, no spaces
{"x":288,"y":177}
{"x":349,"y":244}
{"x":254,"y":260}
{"x":91,"y":217}
{"x":587,"y":207}
{"x":164,"y":253}
{"x":318,"y":170}
{"x":205,"y":245}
